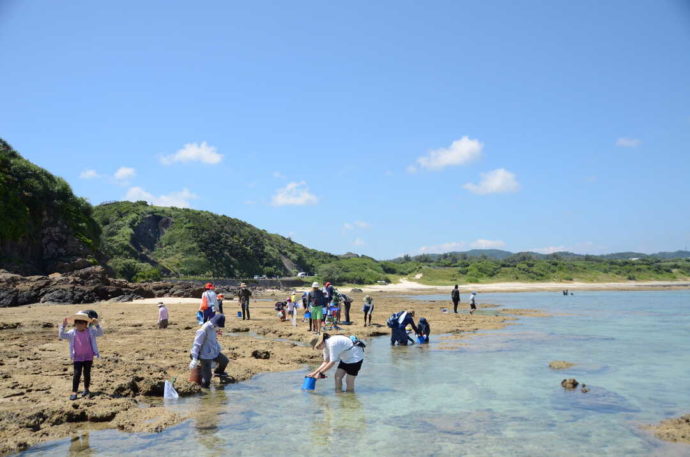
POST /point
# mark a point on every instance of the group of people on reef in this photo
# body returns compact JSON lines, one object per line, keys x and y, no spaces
{"x":455,"y":298}
{"x":322,"y":309}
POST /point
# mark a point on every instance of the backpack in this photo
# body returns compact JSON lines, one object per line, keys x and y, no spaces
{"x":357,"y":342}
{"x":392,"y":321}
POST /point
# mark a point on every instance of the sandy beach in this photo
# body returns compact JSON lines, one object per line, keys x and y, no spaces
{"x":407,"y":286}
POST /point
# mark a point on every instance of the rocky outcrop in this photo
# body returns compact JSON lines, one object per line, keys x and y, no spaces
{"x":87,"y":285}
{"x":569,"y":384}
{"x":560,"y":364}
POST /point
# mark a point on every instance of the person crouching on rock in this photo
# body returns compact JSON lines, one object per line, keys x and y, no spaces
{"x":206,"y":350}
{"x":338,"y":348}
{"x":82,"y":349}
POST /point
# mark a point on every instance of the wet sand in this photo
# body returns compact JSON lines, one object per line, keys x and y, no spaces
{"x":137,"y":357}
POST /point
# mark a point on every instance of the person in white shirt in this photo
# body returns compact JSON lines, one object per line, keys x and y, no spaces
{"x":339,"y":348}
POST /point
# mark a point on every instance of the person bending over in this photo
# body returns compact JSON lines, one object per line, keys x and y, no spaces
{"x":342,"y":350}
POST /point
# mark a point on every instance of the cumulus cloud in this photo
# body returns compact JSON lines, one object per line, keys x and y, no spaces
{"x":295,"y":193}
{"x":194,"y":152}
{"x":487,"y":244}
{"x":89,"y":174}
{"x":460,"y":152}
{"x":628,"y":142}
{"x":494,"y":182}
{"x":356,"y":224}
{"x":124,"y":173}
{"x":179,"y":199}
{"x":441,"y":248}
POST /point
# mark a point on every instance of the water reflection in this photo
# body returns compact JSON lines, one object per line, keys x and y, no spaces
{"x":209,"y":411}
{"x":79,"y":446}
{"x":340,"y":419}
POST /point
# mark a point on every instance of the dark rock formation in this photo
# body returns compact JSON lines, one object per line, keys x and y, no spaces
{"x":87,"y":285}
{"x":570,"y":383}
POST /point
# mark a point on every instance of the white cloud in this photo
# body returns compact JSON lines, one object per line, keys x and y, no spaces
{"x":487,"y":244}
{"x":179,"y":199}
{"x":194,"y":152}
{"x":295,"y":193}
{"x":124,"y":173}
{"x":411,"y":169}
{"x":550,"y":249}
{"x":358,"y":242}
{"x":279,"y":175}
{"x":89,"y":174}
{"x":441,"y":248}
{"x":628,"y":142}
{"x":460,"y":152}
{"x":357,"y":224}
{"x":494,"y":182}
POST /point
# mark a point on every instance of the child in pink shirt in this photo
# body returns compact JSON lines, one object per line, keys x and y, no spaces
{"x":82,"y":349}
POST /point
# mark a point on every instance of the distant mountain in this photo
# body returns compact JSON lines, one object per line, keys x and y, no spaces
{"x":44,"y":227}
{"x":141,"y":240}
{"x":497,"y":254}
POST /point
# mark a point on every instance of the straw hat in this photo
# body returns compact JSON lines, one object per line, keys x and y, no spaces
{"x":81,"y":316}
{"x":243,"y":284}
{"x":161,"y":304}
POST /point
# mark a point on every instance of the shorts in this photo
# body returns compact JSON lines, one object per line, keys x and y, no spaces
{"x":351,"y":368}
{"x":316,"y":312}
{"x":368,"y":309}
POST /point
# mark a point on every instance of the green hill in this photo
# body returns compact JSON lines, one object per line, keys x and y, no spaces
{"x":45,"y":227}
{"x":144,"y":242}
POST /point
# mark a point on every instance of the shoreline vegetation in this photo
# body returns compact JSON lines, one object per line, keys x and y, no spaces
{"x":137,"y":357}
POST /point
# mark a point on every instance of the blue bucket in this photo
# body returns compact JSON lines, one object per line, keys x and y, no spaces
{"x":309,"y":383}
{"x":239,"y":313}
{"x":421,"y":339}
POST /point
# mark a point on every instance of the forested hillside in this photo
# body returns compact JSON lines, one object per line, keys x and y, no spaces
{"x":44,"y":227}
{"x":145,"y":242}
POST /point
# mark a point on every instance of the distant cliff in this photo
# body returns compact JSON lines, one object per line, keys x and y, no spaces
{"x":44,"y":227}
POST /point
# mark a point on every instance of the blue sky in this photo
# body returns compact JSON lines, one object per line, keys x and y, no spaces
{"x":381,"y":128}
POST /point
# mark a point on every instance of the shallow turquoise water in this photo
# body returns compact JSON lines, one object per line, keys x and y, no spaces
{"x":492,"y":396}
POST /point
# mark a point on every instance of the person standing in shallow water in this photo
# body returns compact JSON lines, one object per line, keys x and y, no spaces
{"x":243,"y":295}
{"x":455,"y":297}
{"x":338,"y":348}
{"x":473,"y":302}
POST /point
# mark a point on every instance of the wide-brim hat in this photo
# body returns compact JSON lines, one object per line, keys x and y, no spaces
{"x":218,"y":320}
{"x":315,"y":285}
{"x":316,"y":341}
{"x":81,"y":316}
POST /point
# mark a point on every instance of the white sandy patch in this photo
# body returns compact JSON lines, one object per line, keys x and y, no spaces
{"x":405,"y":285}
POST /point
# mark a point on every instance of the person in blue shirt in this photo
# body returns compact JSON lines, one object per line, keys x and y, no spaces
{"x":399,"y":333}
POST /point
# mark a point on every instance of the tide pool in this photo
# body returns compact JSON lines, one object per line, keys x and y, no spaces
{"x":488,"y":395}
